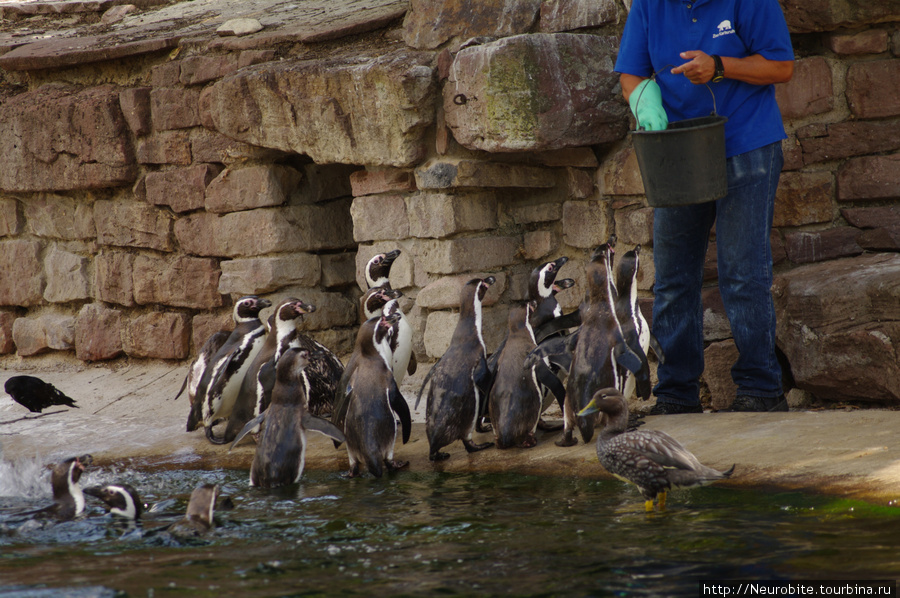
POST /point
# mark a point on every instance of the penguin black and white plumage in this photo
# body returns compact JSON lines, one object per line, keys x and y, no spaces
{"x":219,"y":387}
{"x":372,"y":305}
{"x":374,"y":402}
{"x":256,"y":390}
{"x":634,"y":327}
{"x":200,"y":516}
{"x":121,"y":500}
{"x":68,"y":498}
{"x":378,"y":268}
{"x":598,"y":349}
{"x":515,"y":397}
{"x":650,"y":459}
{"x":281,"y":450}
{"x":198,"y":366}
{"x":377,"y":273}
{"x":458,"y":383}
{"x":35,"y":394}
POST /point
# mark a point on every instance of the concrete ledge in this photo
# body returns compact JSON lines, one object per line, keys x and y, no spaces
{"x":127,"y":415}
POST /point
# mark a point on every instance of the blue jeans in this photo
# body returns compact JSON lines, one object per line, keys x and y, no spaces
{"x":743,"y":220}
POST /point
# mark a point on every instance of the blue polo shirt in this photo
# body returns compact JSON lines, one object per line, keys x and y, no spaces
{"x":657,"y":31}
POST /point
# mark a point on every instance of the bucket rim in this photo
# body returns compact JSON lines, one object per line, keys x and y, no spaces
{"x":687,"y":125}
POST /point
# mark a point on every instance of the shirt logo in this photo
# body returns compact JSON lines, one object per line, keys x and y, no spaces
{"x":724,"y":29}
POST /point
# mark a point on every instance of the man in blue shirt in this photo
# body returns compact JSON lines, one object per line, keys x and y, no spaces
{"x":740,"y":48}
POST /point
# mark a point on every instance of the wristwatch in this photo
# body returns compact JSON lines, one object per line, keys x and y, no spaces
{"x":719,"y":74}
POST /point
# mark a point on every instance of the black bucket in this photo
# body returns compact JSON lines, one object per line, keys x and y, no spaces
{"x":684,"y":164}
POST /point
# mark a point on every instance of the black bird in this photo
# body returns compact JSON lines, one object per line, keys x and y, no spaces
{"x":35,"y":394}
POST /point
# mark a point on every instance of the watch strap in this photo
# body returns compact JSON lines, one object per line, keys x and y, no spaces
{"x":719,"y":73}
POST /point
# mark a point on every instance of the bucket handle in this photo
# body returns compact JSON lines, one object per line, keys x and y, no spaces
{"x":653,"y":76}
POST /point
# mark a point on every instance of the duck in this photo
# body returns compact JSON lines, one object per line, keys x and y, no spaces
{"x":650,"y":459}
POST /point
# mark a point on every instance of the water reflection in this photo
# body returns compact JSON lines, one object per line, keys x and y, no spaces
{"x":417,"y":533}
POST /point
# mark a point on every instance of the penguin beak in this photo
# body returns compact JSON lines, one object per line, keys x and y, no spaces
{"x":263,"y":303}
{"x":304,"y":308}
{"x":589,"y":409}
{"x":390,"y":256}
{"x":490,"y":280}
{"x":565,"y":283}
{"x":95,"y":491}
{"x":83,"y":461}
{"x":561,"y":262}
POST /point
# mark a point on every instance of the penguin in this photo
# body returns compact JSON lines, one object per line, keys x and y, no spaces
{"x":218,"y":389}
{"x":121,"y":500}
{"x":281,"y":451}
{"x":378,"y":269}
{"x":199,"y":365}
{"x":457,"y":384}
{"x":35,"y":394}
{"x":199,"y":518}
{"x":597,"y":349}
{"x":68,"y":498}
{"x":515,"y":397}
{"x":374,"y":401}
{"x":372,"y":305}
{"x":634,"y":326}
{"x":651,"y":460}
{"x":253,"y":397}
{"x":377,"y":272}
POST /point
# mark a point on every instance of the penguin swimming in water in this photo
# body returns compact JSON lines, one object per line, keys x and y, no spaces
{"x":650,"y":459}
{"x":634,"y":326}
{"x":35,"y":394}
{"x":515,"y":397}
{"x":595,"y":351}
{"x":199,"y":518}
{"x":256,"y":389}
{"x":68,"y":498}
{"x":281,"y":451}
{"x":222,"y":379}
{"x":458,"y":383}
{"x":377,"y":273}
{"x":198,"y":366}
{"x":374,"y":402}
{"x":121,"y":500}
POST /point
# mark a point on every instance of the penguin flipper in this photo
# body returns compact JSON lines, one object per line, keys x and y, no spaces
{"x":259,"y":419}
{"x":413,"y":364}
{"x":627,"y":358}
{"x":266,"y":377}
{"x":569,"y":320}
{"x":183,"y":386}
{"x":482,"y":377}
{"x":322,"y":426}
{"x":425,"y":383}
{"x":398,"y":404}
{"x":654,"y":344}
{"x":557,"y":350}
{"x":548,"y":379}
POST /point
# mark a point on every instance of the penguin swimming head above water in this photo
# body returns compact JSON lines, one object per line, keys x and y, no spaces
{"x":119,"y":499}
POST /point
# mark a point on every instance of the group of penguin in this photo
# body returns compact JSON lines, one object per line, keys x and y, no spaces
{"x":277,"y":383}
{"x":120,"y":500}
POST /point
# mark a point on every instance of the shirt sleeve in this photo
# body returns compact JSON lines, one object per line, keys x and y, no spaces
{"x":763,"y":29}
{"x":634,"y":51}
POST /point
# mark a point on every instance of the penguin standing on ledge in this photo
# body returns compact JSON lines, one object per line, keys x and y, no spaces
{"x":515,"y":398}
{"x":222,"y":380}
{"x":198,"y":366}
{"x":374,"y":401}
{"x":281,"y":451}
{"x":458,"y":383}
{"x":378,"y":270}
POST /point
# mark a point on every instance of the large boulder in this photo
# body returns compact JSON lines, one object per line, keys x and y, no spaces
{"x":62,"y":138}
{"x":839,"y":325}
{"x":349,"y":110}
{"x":535,"y":92}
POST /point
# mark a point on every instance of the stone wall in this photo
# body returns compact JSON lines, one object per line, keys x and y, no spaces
{"x":155,"y":168}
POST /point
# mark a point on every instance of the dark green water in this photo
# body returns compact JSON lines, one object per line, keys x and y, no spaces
{"x":417,"y":534}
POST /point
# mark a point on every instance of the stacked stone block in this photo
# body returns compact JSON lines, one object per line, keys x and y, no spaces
{"x":479,"y":138}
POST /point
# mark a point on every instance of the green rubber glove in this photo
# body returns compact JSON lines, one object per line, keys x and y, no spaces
{"x":646,"y":104}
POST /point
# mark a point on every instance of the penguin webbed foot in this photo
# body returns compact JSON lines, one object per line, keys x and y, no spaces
{"x":484,"y":426}
{"x":351,"y":473}
{"x":545,"y":426}
{"x":210,"y":435}
{"x":635,"y":421}
{"x":471,"y":447}
{"x":395,"y":465}
{"x":568,"y":439}
{"x":438,"y":456}
{"x":529,"y":441}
